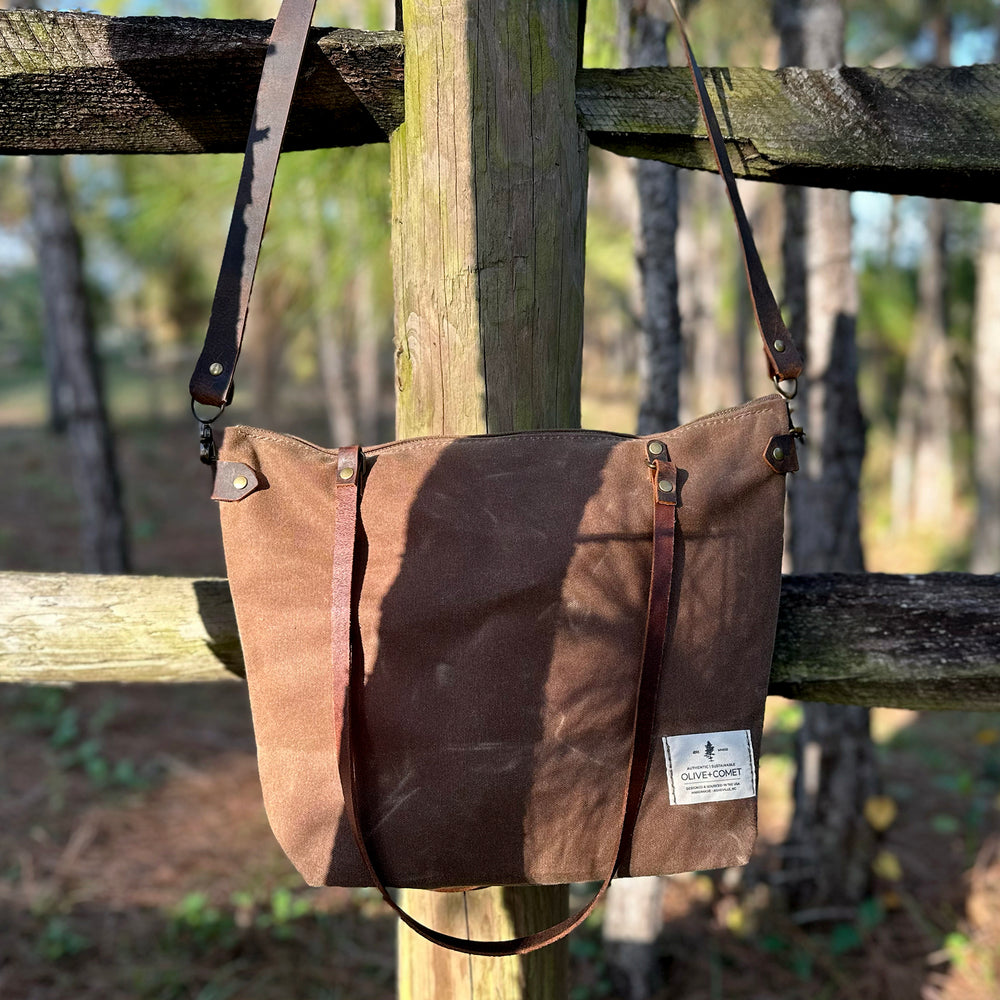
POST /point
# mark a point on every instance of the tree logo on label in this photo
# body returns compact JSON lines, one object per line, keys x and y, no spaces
{"x":709,"y":750}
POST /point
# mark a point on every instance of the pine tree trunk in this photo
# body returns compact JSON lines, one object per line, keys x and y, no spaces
{"x":923,"y":451}
{"x":78,"y":387}
{"x":986,"y":399}
{"x":333,"y":363}
{"x":830,"y":846}
{"x":335,"y":333}
{"x":924,"y":428}
{"x":367,"y":344}
{"x":633,"y":916}
{"x":53,"y":372}
{"x":986,"y":391}
{"x":264,"y":345}
{"x":644,"y":31}
{"x":701,"y":234}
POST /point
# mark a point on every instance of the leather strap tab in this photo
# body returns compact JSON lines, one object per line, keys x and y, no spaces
{"x":781,"y":455}
{"x":784,"y":359}
{"x":664,"y":481}
{"x":212,"y":380}
{"x":234,"y":481}
{"x":348,"y":687}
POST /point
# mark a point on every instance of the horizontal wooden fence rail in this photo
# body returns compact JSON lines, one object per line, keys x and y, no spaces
{"x":867,"y":639}
{"x":85,"y":83}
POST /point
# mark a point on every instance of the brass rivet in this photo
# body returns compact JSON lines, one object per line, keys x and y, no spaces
{"x":240,"y":482}
{"x":779,"y":346}
{"x":666,"y":486}
{"x":656,"y":447}
{"x":346,"y":472}
{"x":215,"y":367}
{"x":777,"y":454}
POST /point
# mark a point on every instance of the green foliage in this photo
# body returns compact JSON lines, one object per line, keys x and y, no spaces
{"x":194,"y":922}
{"x":958,"y":947}
{"x":788,"y":718}
{"x":153,"y":228}
{"x":844,"y":938}
{"x":77,"y":740}
{"x":587,"y":953}
{"x":722,"y":33}
{"x":285,"y":909}
{"x":871,"y":913}
{"x":886,"y":316}
{"x":59,"y":940}
{"x":600,"y":40}
{"x":20,"y":319}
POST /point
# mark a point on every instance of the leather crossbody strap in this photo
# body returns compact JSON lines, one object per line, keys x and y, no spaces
{"x":212,"y":381}
{"x":348,"y":687}
{"x":783,"y":357}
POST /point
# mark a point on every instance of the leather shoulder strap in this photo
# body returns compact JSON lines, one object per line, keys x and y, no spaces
{"x":783,"y":357}
{"x":212,"y":381}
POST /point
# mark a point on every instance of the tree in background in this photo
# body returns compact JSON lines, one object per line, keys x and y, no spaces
{"x":334,"y":239}
{"x":634,"y":909}
{"x":643,"y":30}
{"x":76,"y":390}
{"x":75,"y":374}
{"x":830,"y":846}
{"x":923,"y":451}
{"x":986,"y":390}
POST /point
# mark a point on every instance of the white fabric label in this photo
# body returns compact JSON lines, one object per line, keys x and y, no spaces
{"x":710,"y":767}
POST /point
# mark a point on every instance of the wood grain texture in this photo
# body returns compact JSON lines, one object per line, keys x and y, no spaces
{"x":874,"y":639}
{"x":426,"y":972}
{"x":925,"y":131}
{"x":72,"y":82}
{"x":85,"y":83}
{"x":865,"y":639}
{"x":489,"y":180}
{"x":65,"y":628}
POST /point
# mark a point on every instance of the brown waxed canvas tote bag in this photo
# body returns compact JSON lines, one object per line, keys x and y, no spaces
{"x":538,"y":657}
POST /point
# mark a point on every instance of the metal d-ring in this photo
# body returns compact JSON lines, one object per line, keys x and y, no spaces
{"x":787,"y":393}
{"x":202,"y":420}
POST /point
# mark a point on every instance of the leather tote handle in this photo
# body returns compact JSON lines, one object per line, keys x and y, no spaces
{"x":212,"y":381}
{"x":348,"y":688}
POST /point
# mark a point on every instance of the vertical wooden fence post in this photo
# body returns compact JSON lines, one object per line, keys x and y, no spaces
{"x":489,"y":178}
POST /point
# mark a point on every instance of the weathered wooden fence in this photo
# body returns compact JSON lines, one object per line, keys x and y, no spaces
{"x":924,"y":642}
{"x":477,"y":306}
{"x":83,"y":83}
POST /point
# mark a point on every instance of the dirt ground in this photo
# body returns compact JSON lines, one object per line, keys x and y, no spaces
{"x":136,"y":861}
